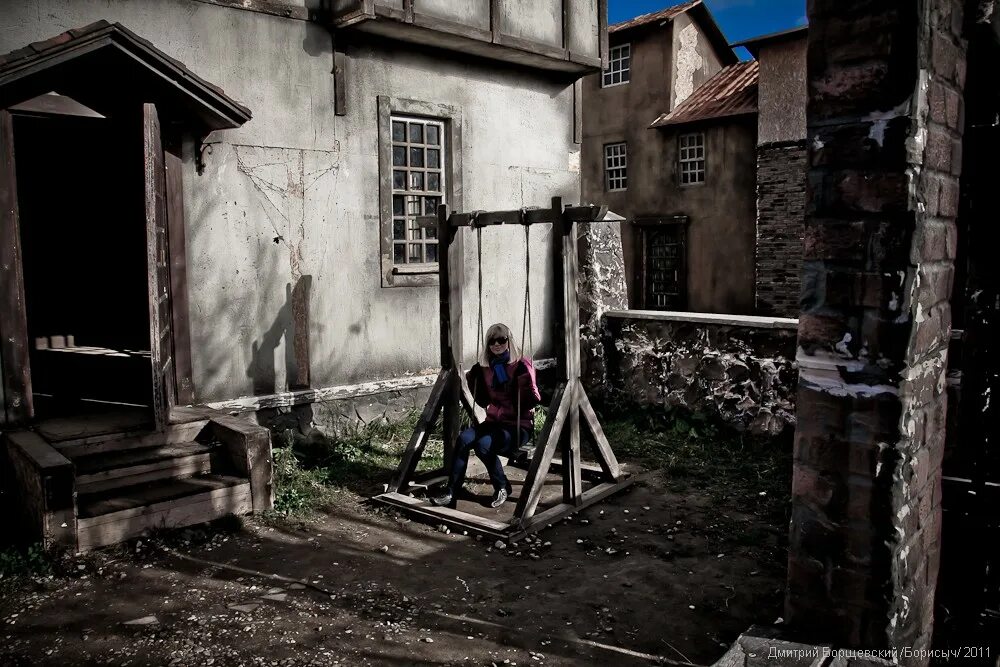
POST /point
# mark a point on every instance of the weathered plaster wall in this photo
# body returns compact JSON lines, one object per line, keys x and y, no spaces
{"x":781,"y":97}
{"x":737,"y":369}
{"x":693,"y":59}
{"x":290,"y":200}
{"x":720,"y":275}
{"x":602,"y":288}
{"x":623,"y":113}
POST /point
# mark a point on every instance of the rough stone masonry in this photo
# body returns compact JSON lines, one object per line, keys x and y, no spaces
{"x":884,"y":129}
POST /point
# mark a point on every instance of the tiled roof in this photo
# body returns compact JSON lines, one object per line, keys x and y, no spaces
{"x":667,"y":14}
{"x":104,"y":32}
{"x":731,"y":92}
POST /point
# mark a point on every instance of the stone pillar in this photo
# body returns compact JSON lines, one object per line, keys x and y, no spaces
{"x":781,"y":207}
{"x":602,"y":288}
{"x":885,"y":94}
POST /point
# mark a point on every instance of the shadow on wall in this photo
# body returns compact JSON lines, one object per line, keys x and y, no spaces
{"x":291,"y":325}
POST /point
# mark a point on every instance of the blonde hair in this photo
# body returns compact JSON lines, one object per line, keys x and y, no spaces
{"x":498,"y":330}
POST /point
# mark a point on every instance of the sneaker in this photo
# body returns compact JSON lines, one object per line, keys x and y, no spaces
{"x":499,"y":498}
{"x":441,"y":500}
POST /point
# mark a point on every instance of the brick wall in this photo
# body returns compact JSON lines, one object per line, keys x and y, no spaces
{"x":885,"y":108}
{"x":781,"y":210}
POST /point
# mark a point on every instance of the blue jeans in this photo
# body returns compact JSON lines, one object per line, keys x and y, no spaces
{"x":490,"y":441}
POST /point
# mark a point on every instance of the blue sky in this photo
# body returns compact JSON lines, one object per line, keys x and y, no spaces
{"x":739,"y":19}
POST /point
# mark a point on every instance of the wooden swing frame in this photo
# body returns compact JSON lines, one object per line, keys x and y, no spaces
{"x":569,"y":406}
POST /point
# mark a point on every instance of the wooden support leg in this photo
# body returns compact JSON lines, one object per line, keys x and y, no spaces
{"x":415,"y":448}
{"x":572,"y":476}
{"x":605,"y":457}
{"x":534,"y":482}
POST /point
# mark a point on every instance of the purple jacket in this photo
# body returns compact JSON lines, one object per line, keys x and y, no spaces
{"x":502,"y":404}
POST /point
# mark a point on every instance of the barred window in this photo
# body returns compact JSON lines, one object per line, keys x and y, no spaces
{"x":619,"y":66}
{"x":418,"y":187}
{"x":616,"y":166}
{"x":691,"y":153}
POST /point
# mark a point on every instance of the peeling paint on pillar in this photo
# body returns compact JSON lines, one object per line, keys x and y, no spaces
{"x":602,"y":288}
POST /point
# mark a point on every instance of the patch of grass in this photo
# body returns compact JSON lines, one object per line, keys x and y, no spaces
{"x":309,"y":470}
{"x":17,"y":564}
{"x":751,"y":472}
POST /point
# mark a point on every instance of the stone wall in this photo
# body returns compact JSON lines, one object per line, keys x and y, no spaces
{"x":885,"y":98}
{"x":602,"y":288}
{"x":781,"y":210}
{"x":738,"y":369}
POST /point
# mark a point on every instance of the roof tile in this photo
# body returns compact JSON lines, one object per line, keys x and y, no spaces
{"x":731,"y":92}
{"x":667,"y":14}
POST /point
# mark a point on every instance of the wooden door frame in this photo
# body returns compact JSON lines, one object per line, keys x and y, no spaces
{"x":648,"y":224}
{"x":15,"y":367}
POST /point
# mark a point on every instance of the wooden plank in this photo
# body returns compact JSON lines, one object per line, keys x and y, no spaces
{"x":477,"y":415}
{"x":578,"y":112}
{"x":111,"y":424}
{"x":446,"y":515}
{"x":177,"y":513}
{"x":558,"y":292}
{"x":249,"y":447}
{"x":534,"y":481}
{"x":415,"y":447}
{"x":452,"y":278}
{"x":156,"y":220}
{"x":562,"y":510}
{"x":570,"y":301}
{"x":41,"y":454}
{"x":176,"y":468}
{"x":496,"y":13}
{"x":339,"y":78}
{"x":605,"y":455}
{"x":178,"y":306}
{"x":111,"y":506}
{"x":54,"y":105}
{"x":106,"y":443}
{"x":572,"y":482}
{"x":602,"y":28}
{"x":17,"y":404}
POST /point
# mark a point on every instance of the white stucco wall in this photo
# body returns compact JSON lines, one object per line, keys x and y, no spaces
{"x":299,"y":174}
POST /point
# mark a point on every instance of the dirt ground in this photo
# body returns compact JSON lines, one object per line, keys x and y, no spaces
{"x":647,"y":576}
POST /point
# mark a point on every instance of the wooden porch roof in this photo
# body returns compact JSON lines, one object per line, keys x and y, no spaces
{"x":108,"y":67}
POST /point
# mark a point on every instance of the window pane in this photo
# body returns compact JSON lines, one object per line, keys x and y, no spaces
{"x":416,"y":133}
{"x":434,"y":182}
{"x":399,"y":253}
{"x":416,"y":180}
{"x":398,"y":131}
{"x":415,"y":234}
{"x":433,"y":158}
{"x":430,"y":205}
{"x":397,"y":205}
{"x":431,"y":233}
{"x":416,"y":157}
{"x":399,"y":230}
{"x":433,"y":135}
{"x":413,"y":206}
{"x":399,"y":180}
{"x":432,"y":252}
{"x":415,"y":252}
{"x":399,"y":156}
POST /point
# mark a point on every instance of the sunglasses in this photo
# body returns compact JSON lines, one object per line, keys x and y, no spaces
{"x":499,"y":340}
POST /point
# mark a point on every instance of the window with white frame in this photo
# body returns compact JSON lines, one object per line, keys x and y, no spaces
{"x":619,"y":65}
{"x":418,"y":187}
{"x":691,"y":154}
{"x":616,"y":166}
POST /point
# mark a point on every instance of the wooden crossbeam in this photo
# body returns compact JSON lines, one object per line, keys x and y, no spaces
{"x":415,"y":447}
{"x":525,"y":216}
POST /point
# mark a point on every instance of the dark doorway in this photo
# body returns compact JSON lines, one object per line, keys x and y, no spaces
{"x":664,"y":262}
{"x":84,"y":258}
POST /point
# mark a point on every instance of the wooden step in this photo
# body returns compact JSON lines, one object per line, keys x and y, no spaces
{"x":112,"y":516}
{"x":121,"y":441}
{"x":100,"y":472}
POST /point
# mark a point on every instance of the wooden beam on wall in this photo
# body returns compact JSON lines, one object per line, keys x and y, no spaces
{"x":578,"y":112}
{"x":16,"y":380}
{"x":339,"y":78}
{"x":602,"y":31}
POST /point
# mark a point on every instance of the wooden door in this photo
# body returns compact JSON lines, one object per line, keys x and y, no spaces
{"x":158,"y":265}
{"x":664,"y":267}
{"x":15,"y":387}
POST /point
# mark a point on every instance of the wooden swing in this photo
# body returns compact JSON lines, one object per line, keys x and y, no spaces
{"x":569,"y":406}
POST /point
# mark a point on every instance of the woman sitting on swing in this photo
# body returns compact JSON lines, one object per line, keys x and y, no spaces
{"x":503,"y":382}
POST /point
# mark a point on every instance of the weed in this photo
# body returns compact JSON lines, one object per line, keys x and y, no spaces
{"x":17,"y":564}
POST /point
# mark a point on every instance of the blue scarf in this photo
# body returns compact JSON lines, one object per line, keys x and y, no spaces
{"x":499,"y":365}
